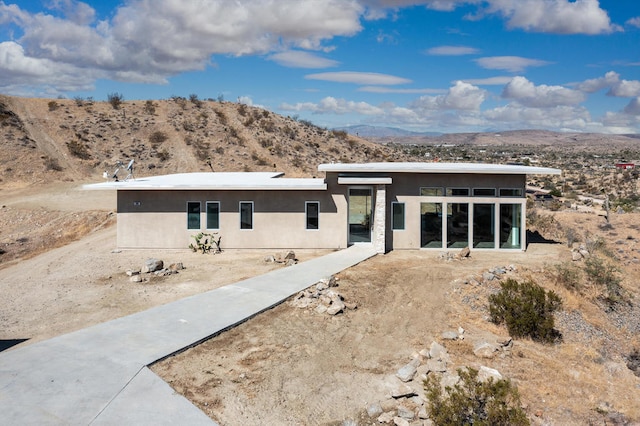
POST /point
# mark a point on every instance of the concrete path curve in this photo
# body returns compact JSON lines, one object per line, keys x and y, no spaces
{"x":99,"y":375}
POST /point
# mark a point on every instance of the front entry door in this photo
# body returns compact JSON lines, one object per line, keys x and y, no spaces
{"x":360,"y":215}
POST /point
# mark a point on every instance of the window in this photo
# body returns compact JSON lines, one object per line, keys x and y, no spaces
{"x":397,"y":216}
{"x":193,"y":215}
{"x":484,"y":192}
{"x":484,"y":218}
{"x":431,"y":192}
{"x":246,"y":215}
{"x":511,"y":192}
{"x":457,"y":192}
{"x":510,"y":226}
{"x":312,"y":212}
{"x":213,"y":215}
{"x":431,"y":225}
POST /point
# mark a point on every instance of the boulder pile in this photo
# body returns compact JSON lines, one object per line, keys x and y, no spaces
{"x":323,"y":298}
{"x":287,"y":258}
{"x":155,"y":267}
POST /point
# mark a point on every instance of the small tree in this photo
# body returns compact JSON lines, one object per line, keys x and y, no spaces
{"x":527,"y":310}
{"x":474,"y":402}
{"x":115,"y":99}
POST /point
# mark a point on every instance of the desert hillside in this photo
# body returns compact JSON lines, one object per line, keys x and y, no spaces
{"x":46,"y":140}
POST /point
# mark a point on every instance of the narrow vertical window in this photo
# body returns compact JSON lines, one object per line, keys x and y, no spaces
{"x":246,"y":215}
{"x":213,"y":215}
{"x":397,"y":216}
{"x":193,"y":215}
{"x":312,"y":211}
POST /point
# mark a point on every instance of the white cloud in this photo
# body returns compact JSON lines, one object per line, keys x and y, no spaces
{"x":331,"y":105}
{"x":625,"y":89}
{"x":490,"y":81}
{"x":634,"y":22}
{"x":301,"y":59}
{"x":364,"y":78}
{"x":452,"y":50}
{"x":526,"y":93}
{"x":509,"y":63}
{"x":633,"y":107}
{"x":378,"y":89}
{"x":596,"y":84}
{"x":561,"y":117}
{"x":150,"y":40}
{"x":554,"y":16}
{"x":461,"y":96}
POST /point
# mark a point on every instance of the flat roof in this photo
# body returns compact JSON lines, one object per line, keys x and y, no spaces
{"x":416,"y":167}
{"x":214,"y":181}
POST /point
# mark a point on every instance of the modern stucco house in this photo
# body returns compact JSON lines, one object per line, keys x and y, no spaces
{"x":390,"y":205}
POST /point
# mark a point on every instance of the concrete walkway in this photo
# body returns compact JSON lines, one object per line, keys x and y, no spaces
{"x":99,"y":375}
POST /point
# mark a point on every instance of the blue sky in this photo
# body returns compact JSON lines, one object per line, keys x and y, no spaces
{"x":423,"y":65}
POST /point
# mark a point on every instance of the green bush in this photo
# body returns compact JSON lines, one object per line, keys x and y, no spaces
{"x":604,"y":274}
{"x":474,"y":402}
{"x":157,"y":137}
{"x":527,"y":310}
{"x":568,"y":276}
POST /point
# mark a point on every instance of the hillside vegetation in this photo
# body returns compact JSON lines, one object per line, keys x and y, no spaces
{"x":47,"y":140}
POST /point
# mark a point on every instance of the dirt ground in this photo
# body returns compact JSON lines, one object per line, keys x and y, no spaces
{"x":296,"y":366}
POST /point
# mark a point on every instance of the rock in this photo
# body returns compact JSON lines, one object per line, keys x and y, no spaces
{"x":132,"y":272}
{"x":464,"y":253}
{"x":321,"y":309}
{"x":336,"y":307}
{"x":399,"y":421}
{"x":437,"y":351}
{"x":422,"y":413}
{"x":488,"y":276}
{"x":321,"y":286}
{"x":405,"y":412}
{"x":388,"y":405}
{"x":485,"y":349}
{"x":178,"y":266}
{"x":352,"y":306}
{"x":152,"y":265}
{"x":269,"y":259}
{"x":136,"y":278}
{"x":449,"y":335}
{"x":402,"y":391}
{"x":290,"y":262}
{"x":576,"y":256}
{"x":486,"y":373}
{"x":424,"y":354}
{"x":385,"y":418}
{"x":374,"y":410}
{"x":436,"y":365}
{"x":330,"y":281}
{"x":408,"y":372}
{"x":282,"y":257}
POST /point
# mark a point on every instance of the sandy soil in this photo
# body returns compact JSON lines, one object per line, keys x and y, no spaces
{"x":296,"y":366}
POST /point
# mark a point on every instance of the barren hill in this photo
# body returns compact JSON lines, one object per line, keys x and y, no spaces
{"x":47,"y":140}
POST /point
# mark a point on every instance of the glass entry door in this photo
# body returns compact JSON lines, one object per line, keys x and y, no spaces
{"x":360,"y":215}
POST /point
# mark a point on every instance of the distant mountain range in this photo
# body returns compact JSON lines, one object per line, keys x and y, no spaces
{"x":364,"y":131}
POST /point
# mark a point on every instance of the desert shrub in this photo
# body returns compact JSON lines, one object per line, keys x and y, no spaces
{"x":222,"y":117}
{"x":633,"y":361}
{"x":572,"y":236}
{"x":189,"y":126}
{"x":568,"y":276}
{"x":78,"y":149}
{"x":149,"y":107}
{"x":604,"y":274}
{"x":53,"y":105}
{"x":52,"y":164}
{"x":474,"y":402}
{"x":267,"y":125}
{"x":266,"y":143}
{"x":195,"y":100}
{"x":157,"y":137}
{"x":115,"y":99}
{"x":163,"y":155}
{"x":242,"y":109}
{"x":339,"y":134}
{"x":526,"y":309}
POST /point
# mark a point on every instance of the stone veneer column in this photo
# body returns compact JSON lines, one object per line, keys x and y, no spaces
{"x":380,"y":219}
